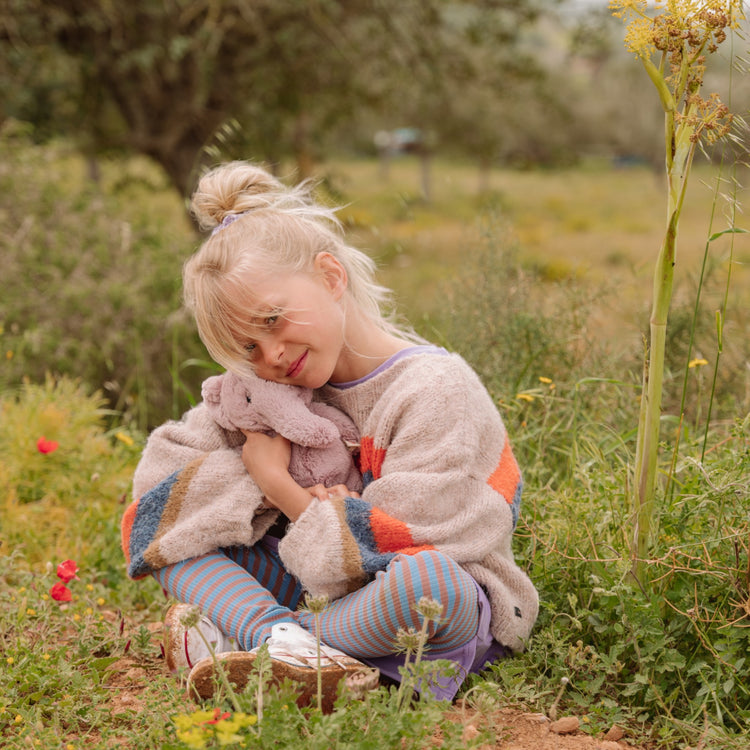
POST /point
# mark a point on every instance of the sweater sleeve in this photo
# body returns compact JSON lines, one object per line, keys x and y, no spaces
{"x":439,"y":473}
{"x":191,"y":495}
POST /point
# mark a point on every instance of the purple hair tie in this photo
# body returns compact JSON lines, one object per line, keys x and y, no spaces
{"x":228,"y":219}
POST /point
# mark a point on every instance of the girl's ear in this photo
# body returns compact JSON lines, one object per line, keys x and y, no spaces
{"x":332,"y":272}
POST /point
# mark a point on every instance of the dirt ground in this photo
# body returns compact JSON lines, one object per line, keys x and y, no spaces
{"x":514,"y":729}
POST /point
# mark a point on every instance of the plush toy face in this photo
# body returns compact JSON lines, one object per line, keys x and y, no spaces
{"x":250,"y":403}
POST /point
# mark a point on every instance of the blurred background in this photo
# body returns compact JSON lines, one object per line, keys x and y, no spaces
{"x":436,"y":124}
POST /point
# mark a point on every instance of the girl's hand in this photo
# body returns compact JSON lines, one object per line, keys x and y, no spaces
{"x":336,"y":492}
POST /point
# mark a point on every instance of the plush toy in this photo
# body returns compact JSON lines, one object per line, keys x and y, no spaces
{"x":321,"y":435}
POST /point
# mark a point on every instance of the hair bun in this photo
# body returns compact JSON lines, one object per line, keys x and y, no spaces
{"x":232,"y":189}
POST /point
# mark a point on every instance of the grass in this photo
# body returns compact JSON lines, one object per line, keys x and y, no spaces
{"x":518,"y":282}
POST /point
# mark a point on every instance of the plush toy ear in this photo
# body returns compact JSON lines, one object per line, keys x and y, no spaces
{"x":214,"y":391}
{"x":211,"y":389}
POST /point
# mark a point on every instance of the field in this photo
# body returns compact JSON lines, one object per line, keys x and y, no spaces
{"x":543,"y":282}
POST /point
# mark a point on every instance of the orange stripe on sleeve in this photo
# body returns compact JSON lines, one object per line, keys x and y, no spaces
{"x":126,"y":528}
{"x":506,"y":476}
{"x":371,"y":458}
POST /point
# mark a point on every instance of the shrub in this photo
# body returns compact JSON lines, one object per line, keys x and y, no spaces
{"x":95,"y":279}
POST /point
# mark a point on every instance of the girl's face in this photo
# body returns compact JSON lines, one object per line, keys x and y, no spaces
{"x":301,"y":330}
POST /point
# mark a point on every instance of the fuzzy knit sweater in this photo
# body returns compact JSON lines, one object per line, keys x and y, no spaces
{"x":438,"y":470}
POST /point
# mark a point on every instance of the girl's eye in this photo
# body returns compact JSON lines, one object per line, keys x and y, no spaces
{"x":250,"y":348}
{"x":271,"y":320}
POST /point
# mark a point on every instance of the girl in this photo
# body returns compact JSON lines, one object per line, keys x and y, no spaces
{"x":220,"y":523}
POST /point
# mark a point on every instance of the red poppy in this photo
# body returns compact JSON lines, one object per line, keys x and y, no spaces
{"x":46,"y":446}
{"x":66,"y":571}
{"x":61,"y":593}
{"x":218,"y":716}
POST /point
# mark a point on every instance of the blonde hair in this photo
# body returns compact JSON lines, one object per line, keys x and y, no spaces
{"x":259,"y":227}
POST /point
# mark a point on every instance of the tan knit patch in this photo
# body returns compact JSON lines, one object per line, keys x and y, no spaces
{"x":350,"y":556}
{"x":172,"y":511}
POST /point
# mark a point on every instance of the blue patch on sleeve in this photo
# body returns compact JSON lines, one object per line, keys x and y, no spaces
{"x":146,"y":524}
{"x":358,"y":520}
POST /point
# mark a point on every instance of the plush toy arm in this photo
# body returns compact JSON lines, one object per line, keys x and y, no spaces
{"x":346,"y":427}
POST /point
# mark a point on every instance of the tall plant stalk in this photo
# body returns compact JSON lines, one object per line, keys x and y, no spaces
{"x":672,"y":46}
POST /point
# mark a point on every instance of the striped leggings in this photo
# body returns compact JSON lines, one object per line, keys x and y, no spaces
{"x":246,"y":590}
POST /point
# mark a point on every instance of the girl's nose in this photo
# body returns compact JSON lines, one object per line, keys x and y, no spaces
{"x":273,"y":352}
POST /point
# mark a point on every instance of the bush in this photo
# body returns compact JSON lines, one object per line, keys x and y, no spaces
{"x":107,"y":309}
{"x":63,"y":477}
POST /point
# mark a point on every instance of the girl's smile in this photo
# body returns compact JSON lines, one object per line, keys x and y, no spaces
{"x":296,"y":367}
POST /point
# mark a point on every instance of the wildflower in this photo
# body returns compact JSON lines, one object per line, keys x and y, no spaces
{"x":524,"y":397}
{"x":18,"y":719}
{"x":407,"y":640}
{"x":46,"y":446}
{"x":46,"y":657}
{"x":61,"y":593}
{"x":430,"y":609}
{"x":100,"y":601}
{"x":190,"y":618}
{"x":10,"y":660}
{"x":544,"y":380}
{"x":316,"y":604}
{"x":9,"y":355}
{"x":218,"y":716}
{"x":700,"y":362}
{"x":124,"y":438}
{"x":194,"y":738}
{"x":30,"y":612}
{"x":66,"y":571}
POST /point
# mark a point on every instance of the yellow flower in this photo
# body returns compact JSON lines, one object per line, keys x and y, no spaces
{"x":10,"y":660}
{"x":124,"y":438}
{"x":524,"y":397}
{"x":697,"y":362}
{"x":100,"y":601}
{"x":18,"y":719}
{"x":89,"y":587}
{"x":76,"y":617}
{"x":544,"y":380}
{"x":46,"y":657}
{"x":9,"y":354}
{"x":30,"y":612}
{"x":194,"y":738}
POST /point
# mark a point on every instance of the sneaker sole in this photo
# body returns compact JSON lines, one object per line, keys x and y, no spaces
{"x":239,"y":665}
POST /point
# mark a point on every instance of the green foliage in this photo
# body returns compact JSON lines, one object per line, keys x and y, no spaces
{"x":95,"y":273}
{"x":669,"y":666}
{"x":530,"y":342}
{"x":659,"y":662}
{"x":56,"y":658}
{"x":74,"y":492}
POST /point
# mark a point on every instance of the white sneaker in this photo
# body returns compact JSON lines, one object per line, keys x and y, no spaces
{"x":294,"y":655}
{"x":294,"y":645}
{"x":183,"y":646}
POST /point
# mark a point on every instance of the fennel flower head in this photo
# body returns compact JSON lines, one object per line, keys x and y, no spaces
{"x":672,"y":40}
{"x":677,"y":26}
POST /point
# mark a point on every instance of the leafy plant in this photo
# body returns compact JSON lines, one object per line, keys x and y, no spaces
{"x":672,"y":48}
